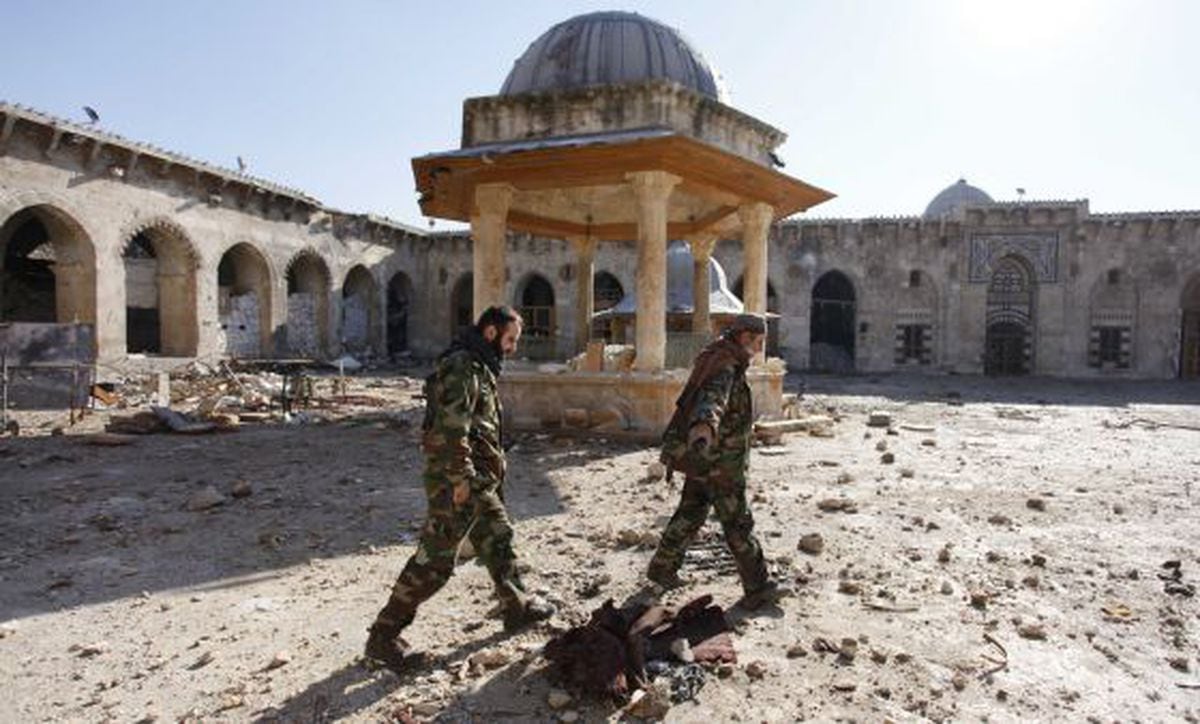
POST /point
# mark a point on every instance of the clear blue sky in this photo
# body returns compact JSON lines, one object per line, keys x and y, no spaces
{"x":885,"y":101}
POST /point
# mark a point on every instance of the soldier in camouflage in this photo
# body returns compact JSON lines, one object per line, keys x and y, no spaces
{"x":708,"y":439}
{"x":464,"y":472}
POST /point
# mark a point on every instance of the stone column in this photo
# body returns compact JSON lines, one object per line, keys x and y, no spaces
{"x":702,"y":249}
{"x":756,"y":223}
{"x":652,"y":191}
{"x":585,"y":270}
{"x":488,"y":226}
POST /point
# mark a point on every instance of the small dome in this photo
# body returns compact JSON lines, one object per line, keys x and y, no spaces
{"x":610,"y":47}
{"x":679,"y":287}
{"x":954,"y":198}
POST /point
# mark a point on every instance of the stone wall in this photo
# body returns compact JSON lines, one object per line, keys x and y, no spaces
{"x":302,"y":330}
{"x":1112,"y":278}
{"x":356,"y":315}
{"x":239,"y":331}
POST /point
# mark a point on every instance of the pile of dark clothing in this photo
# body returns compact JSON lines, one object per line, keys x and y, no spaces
{"x":623,"y":649}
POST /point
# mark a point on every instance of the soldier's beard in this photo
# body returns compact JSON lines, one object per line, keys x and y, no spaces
{"x":497,"y":347}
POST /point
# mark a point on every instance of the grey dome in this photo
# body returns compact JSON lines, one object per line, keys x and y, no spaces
{"x":610,"y":47}
{"x":954,"y":198}
{"x":679,"y":287}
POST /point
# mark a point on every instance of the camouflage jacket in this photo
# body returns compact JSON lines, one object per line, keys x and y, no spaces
{"x":719,"y":396}
{"x":461,"y":432}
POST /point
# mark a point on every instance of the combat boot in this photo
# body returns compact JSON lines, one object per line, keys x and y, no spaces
{"x":386,"y":648}
{"x":767,"y":594}
{"x":666,"y":581}
{"x":534,"y":609}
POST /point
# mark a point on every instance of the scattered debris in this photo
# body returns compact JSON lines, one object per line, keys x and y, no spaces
{"x":205,"y":499}
{"x":110,"y":439}
{"x":837,"y":505}
{"x":558,"y":699}
{"x":879,"y":418}
{"x":489,"y":659}
{"x":811,"y":543}
{"x":281,"y":659}
{"x":87,"y":651}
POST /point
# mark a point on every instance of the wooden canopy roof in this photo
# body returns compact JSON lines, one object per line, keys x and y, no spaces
{"x":576,"y":186}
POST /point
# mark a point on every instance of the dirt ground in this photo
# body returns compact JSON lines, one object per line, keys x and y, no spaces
{"x":1006,"y":566}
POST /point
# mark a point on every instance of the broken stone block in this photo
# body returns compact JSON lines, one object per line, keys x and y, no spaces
{"x":651,"y":703}
{"x":87,"y":651}
{"x":848,"y":651}
{"x":837,"y":505}
{"x":756,"y":670}
{"x":879,"y":418}
{"x":488,"y":659}
{"x":557,"y":699}
{"x":812,"y":544}
{"x":281,"y":659}
{"x":204,"y":499}
{"x":850,"y":588}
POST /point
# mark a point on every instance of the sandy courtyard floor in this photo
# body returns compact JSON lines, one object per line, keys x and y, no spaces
{"x":1007,"y":565}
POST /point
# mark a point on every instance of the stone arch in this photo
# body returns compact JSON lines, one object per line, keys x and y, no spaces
{"x":47,"y":266}
{"x":1112,"y":312}
{"x":535,"y":300}
{"x":361,"y":330}
{"x":462,"y":304}
{"x":308,"y":286}
{"x":1011,"y":302}
{"x":399,"y":305}
{"x":1189,"y":305}
{"x":833,"y":326}
{"x":244,"y":284}
{"x":916,"y":319}
{"x":607,"y":292}
{"x":160,"y":290}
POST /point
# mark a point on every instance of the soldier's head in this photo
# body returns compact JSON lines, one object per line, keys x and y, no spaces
{"x":500,"y":326}
{"x":750,"y":331}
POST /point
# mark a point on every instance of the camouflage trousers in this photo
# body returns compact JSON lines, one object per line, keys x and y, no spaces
{"x":724,"y":491}
{"x":484,"y":521}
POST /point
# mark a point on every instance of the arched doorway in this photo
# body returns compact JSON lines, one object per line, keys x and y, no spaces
{"x":1189,"y":351}
{"x":49,"y":268}
{"x":607,"y":292}
{"x":1008,"y":345}
{"x":462,"y":304}
{"x":360,"y":311}
{"x":832,"y":327}
{"x":308,"y":282}
{"x":399,"y":296}
{"x":772,"y":346}
{"x":244,"y":302}
{"x":537,"y":307}
{"x":160,"y":293}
